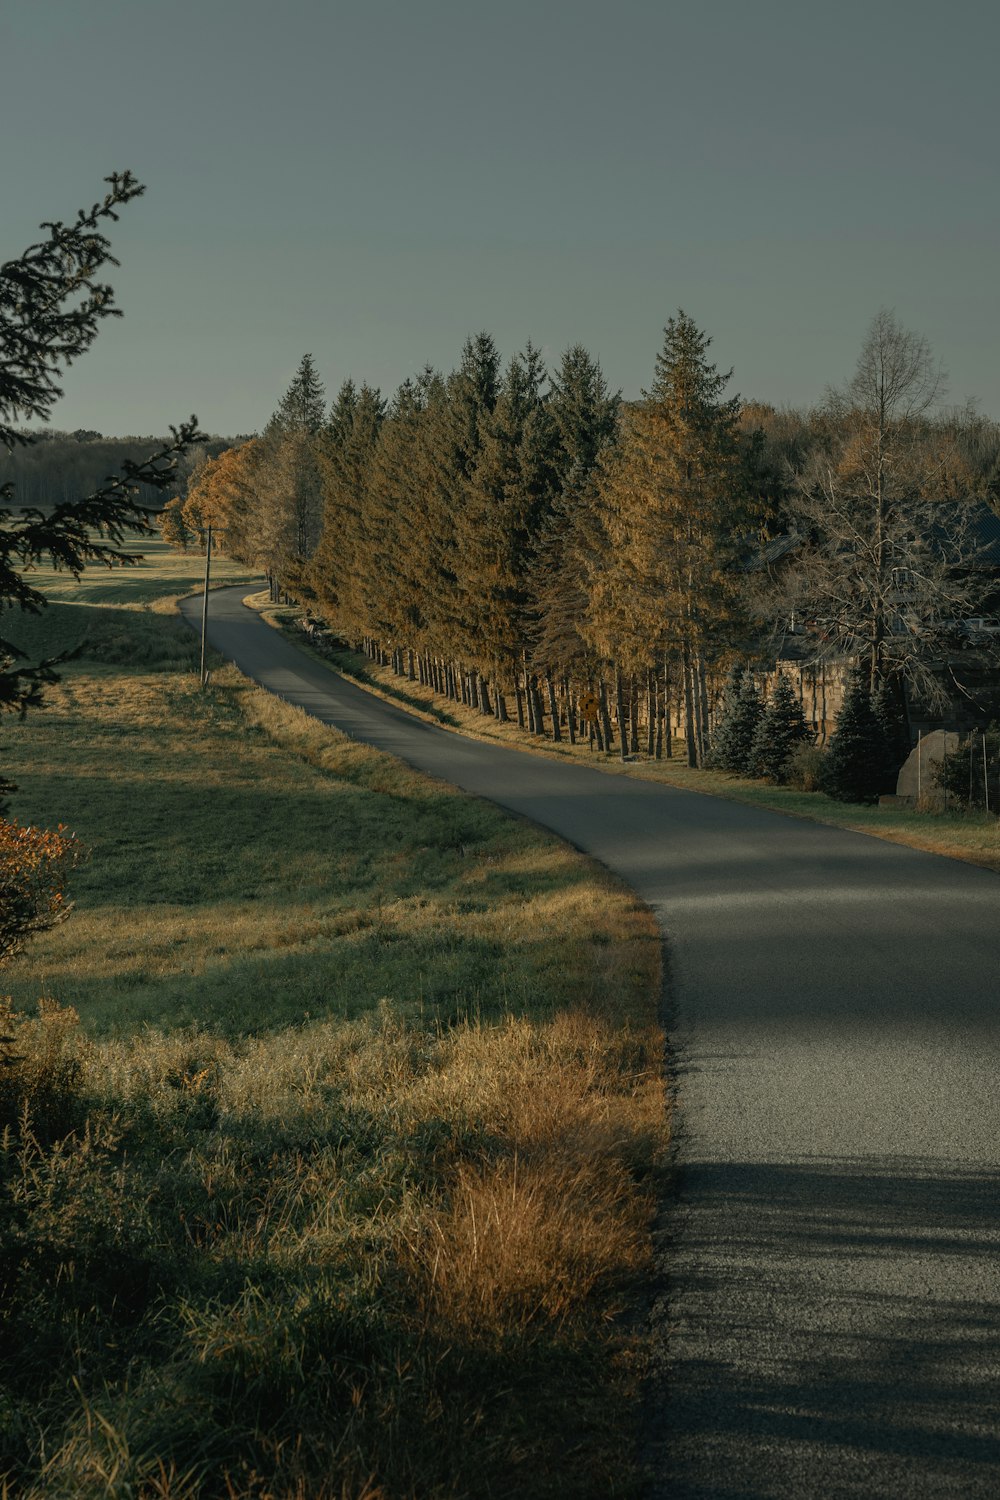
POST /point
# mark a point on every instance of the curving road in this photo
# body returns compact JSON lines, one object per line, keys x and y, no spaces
{"x":832,"y":1319}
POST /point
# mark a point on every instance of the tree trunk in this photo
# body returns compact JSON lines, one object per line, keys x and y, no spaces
{"x":703,"y":712}
{"x":689,"y":725}
{"x":605,"y":718}
{"x":620,"y":708}
{"x":536,"y":703}
{"x":519,"y":699}
{"x":652,"y":713}
{"x":484,"y":697}
{"x":553,"y":708}
{"x":570,"y":726}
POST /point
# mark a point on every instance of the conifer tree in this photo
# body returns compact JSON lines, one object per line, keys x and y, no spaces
{"x":888,"y":706}
{"x":584,"y":411}
{"x":584,"y":414}
{"x":782,"y":726}
{"x":737,"y":723}
{"x":451,"y":435}
{"x":51,"y":307}
{"x":508,"y":497}
{"x":673,"y":510}
{"x":391,"y":580}
{"x":345,"y":452}
{"x":302,"y":407}
{"x":854,"y":765}
{"x":290,"y":478}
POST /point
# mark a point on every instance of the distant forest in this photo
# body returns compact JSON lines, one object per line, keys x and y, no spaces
{"x":59,"y":467}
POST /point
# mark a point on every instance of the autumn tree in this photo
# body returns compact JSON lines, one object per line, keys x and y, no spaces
{"x":34,"y":865}
{"x":673,"y":504}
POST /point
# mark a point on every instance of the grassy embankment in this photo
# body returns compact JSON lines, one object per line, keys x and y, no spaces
{"x":974,"y":837}
{"x":341,"y":1184}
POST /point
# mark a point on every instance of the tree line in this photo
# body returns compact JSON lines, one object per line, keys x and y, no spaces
{"x":528,"y":543}
{"x":52,"y":467}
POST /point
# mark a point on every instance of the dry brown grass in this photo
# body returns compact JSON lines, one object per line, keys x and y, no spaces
{"x":343,"y":1187}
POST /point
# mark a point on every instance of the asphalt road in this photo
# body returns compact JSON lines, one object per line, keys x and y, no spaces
{"x":832,"y":1319}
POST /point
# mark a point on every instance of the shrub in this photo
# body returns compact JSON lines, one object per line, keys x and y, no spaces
{"x":34,"y":863}
{"x":961,"y":774}
{"x":40,"y":1069}
{"x":804,"y":768}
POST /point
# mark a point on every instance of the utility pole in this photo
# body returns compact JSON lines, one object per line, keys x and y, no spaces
{"x":204,"y":603}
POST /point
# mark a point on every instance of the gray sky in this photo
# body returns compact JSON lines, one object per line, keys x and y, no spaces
{"x":374,"y":181}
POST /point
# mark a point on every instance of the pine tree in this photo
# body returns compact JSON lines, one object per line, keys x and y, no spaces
{"x":508,"y":498}
{"x":782,"y":726}
{"x":584,"y":411}
{"x":737,"y":723}
{"x":51,"y":306}
{"x":854,"y":765}
{"x":888,"y":705}
{"x":672,"y":511}
{"x":451,"y":435}
{"x":302,"y":407}
{"x":345,"y":453}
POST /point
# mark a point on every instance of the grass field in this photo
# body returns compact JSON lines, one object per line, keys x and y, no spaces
{"x":329,"y":1160}
{"x":973,"y":837}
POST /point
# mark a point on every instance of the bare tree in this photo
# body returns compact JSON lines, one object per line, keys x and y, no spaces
{"x":882,"y":570}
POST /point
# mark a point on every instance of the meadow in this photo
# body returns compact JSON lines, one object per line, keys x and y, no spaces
{"x":333,"y":1119}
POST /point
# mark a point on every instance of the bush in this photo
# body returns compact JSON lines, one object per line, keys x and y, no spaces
{"x":804,"y":768}
{"x":961,"y":774}
{"x":33,"y":867}
{"x":40,"y":1069}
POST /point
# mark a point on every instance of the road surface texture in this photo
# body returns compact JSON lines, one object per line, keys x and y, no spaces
{"x":832,"y":1309}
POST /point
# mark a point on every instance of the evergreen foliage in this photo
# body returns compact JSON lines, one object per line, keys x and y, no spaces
{"x":971,"y":774}
{"x":888,"y":707}
{"x":855,"y":766}
{"x":737,"y":723}
{"x":51,"y":307}
{"x":781,"y":728}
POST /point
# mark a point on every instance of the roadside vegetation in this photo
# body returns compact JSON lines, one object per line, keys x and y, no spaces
{"x":331,"y":1120}
{"x":959,"y":832}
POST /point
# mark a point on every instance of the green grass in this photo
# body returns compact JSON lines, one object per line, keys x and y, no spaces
{"x":328,"y":1166}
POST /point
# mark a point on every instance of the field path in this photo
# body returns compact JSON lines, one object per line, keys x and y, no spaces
{"x":832,"y":1318}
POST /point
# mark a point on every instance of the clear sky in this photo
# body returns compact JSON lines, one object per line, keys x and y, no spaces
{"x":372,"y":181}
